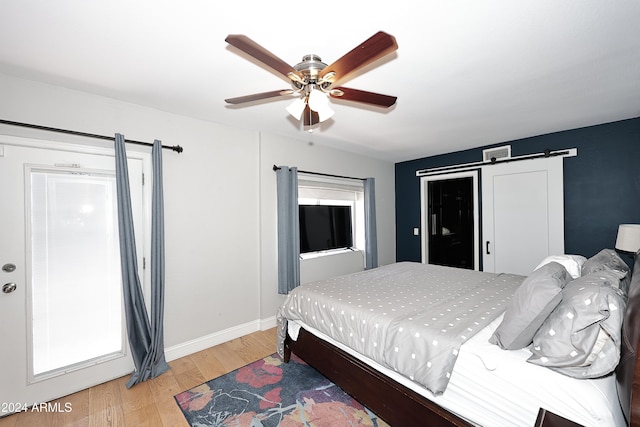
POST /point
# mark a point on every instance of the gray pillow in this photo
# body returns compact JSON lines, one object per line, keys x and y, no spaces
{"x":608,"y":259}
{"x":530,"y":305}
{"x":581,"y":338}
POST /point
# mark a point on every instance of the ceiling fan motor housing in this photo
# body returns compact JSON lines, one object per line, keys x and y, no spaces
{"x":310,"y":66}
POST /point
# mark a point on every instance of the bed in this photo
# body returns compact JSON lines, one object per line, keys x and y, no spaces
{"x":385,"y":361}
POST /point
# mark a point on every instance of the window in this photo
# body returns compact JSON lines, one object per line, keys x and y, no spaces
{"x":74,"y":229}
{"x":344,"y":201}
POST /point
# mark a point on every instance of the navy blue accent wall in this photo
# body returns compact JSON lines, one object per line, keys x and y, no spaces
{"x":601,"y":185}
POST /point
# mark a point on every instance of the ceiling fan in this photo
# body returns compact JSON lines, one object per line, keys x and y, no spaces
{"x":312,"y":81}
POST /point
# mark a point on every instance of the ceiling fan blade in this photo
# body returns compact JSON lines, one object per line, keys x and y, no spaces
{"x":310,"y":117}
{"x":375,"y":47}
{"x":258,"y":96}
{"x":365,"y":97}
{"x":258,"y":52}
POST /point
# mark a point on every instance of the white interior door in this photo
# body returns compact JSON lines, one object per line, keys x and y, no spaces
{"x":522,"y":214}
{"x":61,"y":317}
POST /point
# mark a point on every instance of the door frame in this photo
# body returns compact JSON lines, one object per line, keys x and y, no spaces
{"x":424,"y":210}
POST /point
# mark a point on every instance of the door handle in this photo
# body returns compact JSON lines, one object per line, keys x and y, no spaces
{"x":488,"y":253}
{"x":434,"y":228}
{"x":9,"y":287}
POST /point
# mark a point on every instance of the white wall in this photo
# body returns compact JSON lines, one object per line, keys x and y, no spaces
{"x":221,"y":270}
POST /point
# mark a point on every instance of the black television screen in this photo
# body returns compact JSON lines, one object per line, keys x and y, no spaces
{"x":324,"y":227}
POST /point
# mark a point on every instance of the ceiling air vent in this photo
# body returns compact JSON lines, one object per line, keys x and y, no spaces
{"x":497,"y":153}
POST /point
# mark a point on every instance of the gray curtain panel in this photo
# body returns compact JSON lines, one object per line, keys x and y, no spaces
{"x":145,"y":337}
{"x":288,"y":229}
{"x":370,"y":233}
{"x":154,"y":362}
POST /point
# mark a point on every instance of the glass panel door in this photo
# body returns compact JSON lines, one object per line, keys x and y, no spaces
{"x":451,"y":222}
{"x":75,"y":285}
{"x":450,"y":219}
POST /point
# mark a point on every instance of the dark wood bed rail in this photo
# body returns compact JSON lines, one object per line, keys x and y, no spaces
{"x":388,"y":399}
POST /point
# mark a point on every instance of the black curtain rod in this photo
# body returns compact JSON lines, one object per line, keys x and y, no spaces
{"x":275,"y":168}
{"x":494,"y":161}
{"x":176,"y":148}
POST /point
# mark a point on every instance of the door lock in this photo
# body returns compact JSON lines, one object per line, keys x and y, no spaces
{"x":9,"y":268}
{"x":9,"y":287}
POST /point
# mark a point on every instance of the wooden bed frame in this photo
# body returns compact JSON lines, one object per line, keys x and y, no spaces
{"x":401,"y":406}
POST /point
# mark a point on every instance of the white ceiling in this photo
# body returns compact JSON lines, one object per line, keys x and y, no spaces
{"x":467,"y":73}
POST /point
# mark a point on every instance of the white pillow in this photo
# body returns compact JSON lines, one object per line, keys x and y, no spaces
{"x":573,"y":263}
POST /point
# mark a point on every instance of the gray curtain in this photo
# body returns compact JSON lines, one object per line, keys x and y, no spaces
{"x":288,"y":229}
{"x":145,"y":336}
{"x":370,"y":233}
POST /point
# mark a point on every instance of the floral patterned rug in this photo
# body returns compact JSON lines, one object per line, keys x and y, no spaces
{"x":270,"y":393}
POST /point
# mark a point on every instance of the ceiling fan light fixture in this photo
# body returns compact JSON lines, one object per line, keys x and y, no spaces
{"x":319,"y":102}
{"x":296,"y":108}
{"x":327,"y":80}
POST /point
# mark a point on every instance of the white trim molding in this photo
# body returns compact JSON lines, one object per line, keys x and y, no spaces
{"x":193,"y":346}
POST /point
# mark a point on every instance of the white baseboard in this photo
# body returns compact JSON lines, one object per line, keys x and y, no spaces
{"x":180,"y":350}
{"x":268,"y":323}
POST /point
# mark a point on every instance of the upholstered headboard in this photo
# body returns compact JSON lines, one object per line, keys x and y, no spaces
{"x":628,"y":370}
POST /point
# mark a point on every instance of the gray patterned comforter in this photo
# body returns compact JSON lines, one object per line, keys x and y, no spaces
{"x":409,"y":317}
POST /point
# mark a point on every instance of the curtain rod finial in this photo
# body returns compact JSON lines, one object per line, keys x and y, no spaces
{"x":275,"y":168}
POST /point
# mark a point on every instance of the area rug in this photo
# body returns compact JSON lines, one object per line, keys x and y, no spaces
{"x":270,"y":393}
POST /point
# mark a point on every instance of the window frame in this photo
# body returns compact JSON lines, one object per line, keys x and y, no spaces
{"x":321,"y":190}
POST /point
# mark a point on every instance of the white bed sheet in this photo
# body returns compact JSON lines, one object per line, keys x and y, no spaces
{"x":482,"y":390}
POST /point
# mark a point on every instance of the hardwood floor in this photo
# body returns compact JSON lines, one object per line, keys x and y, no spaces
{"x":150,"y":403}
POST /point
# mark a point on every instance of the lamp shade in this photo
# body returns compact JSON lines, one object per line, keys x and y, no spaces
{"x":296,"y":108}
{"x":319,"y":103}
{"x":628,"y":239}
